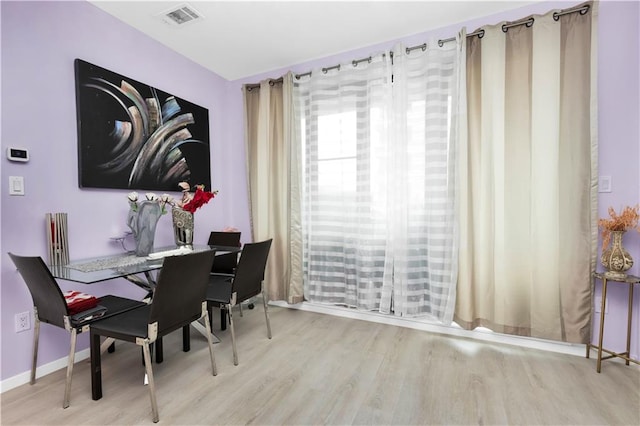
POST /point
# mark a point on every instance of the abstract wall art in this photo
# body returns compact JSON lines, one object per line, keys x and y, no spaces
{"x":134,"y":136}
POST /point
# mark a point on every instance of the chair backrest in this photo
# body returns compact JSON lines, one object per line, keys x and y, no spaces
{"x":225,"y":263}
{"x":45,"y":292}
{"x":249,"y":275}
{"x":180,"y":290}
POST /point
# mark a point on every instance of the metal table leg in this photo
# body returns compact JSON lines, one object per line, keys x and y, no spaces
{"x":602,"y":307}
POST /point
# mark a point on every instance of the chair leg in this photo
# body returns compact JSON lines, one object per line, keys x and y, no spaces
{"x":36,"y":339}
{"x":233,"y":336}
{"x":266,"y":313}
{"x":96,"y":370}
{"x":72,"y":356}
{"x":240,"y":306}
{"x":152,"y":388}
{"x":159,"y":351}
{"x":223,"y":318}
{"x":210,"y":312}
{"x":214,"y":370}
{"x":186,"y":338}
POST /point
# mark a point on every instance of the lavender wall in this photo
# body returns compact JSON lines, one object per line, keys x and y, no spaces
{"x":619,"y":153}
{"x":619,"y":135}
{"x":40,"y":40}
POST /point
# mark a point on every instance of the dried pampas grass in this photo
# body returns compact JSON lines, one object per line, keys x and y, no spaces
{"x":626,"y":220}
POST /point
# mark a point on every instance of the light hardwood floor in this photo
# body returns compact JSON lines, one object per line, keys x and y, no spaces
{"x":321,"y":369}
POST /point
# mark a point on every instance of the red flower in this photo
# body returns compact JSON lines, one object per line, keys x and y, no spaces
{"x":199,"y":199}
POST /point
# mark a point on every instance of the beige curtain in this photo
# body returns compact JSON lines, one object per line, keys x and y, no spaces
{"x":529,"y":180}
{"x":273,"y":179}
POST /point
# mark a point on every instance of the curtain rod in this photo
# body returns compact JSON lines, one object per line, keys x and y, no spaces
{"x":355,"y":63}
{"x":479,"y":33}
{"x":583,"y":9}
{"x":272,"y":82}
{"x":528,"y":22}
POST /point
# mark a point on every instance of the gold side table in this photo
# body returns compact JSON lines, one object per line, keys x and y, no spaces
{"x":631,"y":281}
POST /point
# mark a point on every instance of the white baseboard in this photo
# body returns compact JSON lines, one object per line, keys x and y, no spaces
{"x":454,"y":330}
{"x":43,"y":370}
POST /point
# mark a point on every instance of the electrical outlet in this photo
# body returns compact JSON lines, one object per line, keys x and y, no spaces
{"x":23,"y":322}
{"x":598,"y":305}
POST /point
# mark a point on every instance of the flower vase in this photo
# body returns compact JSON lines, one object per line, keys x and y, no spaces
{"x":182,"y":227}
{"x":143,"y":221}
{"x":615,"y":258}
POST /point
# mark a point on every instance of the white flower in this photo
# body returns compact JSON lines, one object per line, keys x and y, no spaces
{"x":162,"y":201}
{"x":185,"y":186}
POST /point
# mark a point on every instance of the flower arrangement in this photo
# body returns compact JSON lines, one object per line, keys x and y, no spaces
{"x":190,"y":201}
{"x":163,"y":200}
{"x":626,"y":220}
{"x":193,"y":201}
{"x":143,"y":215}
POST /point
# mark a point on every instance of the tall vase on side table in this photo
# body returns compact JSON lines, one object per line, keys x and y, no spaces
{"x":182,"y":227}
{"x":615,"y":258}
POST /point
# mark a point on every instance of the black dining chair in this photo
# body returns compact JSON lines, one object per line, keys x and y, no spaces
{"x":224,"y":265}
{"x":178,"y":300}
{"x":245,"y":284}
{"x":50,"y":307}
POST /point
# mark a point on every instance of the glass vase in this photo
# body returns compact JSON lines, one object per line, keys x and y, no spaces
{"x":182,"y":227}
{"x":142,"y":222}
{"x":615,"y":258}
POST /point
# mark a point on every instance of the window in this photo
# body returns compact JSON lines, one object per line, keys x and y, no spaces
{"x":377,"y":201}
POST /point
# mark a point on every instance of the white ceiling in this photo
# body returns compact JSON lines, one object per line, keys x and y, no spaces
{"x":238,"y":39}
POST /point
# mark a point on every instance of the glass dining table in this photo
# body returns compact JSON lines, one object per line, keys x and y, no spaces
{"x":124,"y":265}
{"x":135,"y":269}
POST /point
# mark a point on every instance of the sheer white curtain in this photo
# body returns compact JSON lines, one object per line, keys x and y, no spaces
{"x":422,"y":248}
{"x":529,"y":180}
{"x":379,"y":182}
{"x":343,"y":118}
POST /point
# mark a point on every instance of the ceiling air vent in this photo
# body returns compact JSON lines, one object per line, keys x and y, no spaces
{"x":181,"y":15}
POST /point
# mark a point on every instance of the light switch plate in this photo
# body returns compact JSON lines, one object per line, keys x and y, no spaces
{"x":604,"y":184}
{"x":16,"y":185}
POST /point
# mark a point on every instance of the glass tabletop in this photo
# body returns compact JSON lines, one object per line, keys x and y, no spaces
{"x":97,"y":269}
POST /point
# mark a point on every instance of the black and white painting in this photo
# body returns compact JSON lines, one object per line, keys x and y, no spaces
{"x":134,"y":136}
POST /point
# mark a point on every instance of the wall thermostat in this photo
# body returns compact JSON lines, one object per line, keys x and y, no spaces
{"x":18,"y":154}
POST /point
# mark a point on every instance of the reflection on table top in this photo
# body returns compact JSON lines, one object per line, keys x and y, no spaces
{"x":97,"y":269}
